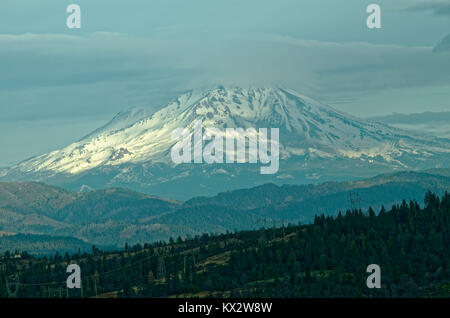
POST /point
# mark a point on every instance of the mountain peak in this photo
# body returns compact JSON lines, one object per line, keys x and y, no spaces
{"x":135,"y":146}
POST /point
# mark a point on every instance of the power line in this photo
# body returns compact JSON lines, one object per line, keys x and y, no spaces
{"x":90,"y":276}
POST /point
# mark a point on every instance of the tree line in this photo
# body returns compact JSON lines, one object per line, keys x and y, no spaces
{"x":325,"y":259}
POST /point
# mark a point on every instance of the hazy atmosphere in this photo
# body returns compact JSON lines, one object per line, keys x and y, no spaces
{"x":255,"y":150}
{"x":57,"y":85}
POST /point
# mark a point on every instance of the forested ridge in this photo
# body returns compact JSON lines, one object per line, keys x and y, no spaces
{"x":325,"y":259}
{"x":110,"y":218}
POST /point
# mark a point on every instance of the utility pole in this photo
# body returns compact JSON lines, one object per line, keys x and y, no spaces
{"x":161,"y":268}
{"x":274,"y":222}
{"x":95,"y":283}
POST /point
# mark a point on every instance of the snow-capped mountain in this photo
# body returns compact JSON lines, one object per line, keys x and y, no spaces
{"x":316,"y":141}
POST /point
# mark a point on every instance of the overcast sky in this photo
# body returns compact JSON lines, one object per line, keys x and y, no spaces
{"x":56,"y":84}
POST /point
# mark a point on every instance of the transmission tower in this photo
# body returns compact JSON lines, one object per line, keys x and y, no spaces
{"x":193,"y":268}
{"x":280,"y":223}
{"x":355,"y":200}
{"x":96,"y":278}
{"x":262,"y":232}
{"x":161,"y":268}
{"x":12,"y":294}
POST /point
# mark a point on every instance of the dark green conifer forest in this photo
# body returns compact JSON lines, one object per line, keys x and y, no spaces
{"x":328,"y":258}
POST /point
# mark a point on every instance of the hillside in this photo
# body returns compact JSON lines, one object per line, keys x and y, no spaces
{"x":42,"y":244}
{"x":325,"y":259}
{"x":36,"y":208}
{"x":114,"y":217}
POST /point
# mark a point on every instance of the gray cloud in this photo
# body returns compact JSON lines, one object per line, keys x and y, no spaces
{"x":87,"y":79}
{"x":443,"y":45}
{"x":108,"y":72}
{"x":437,"y":7}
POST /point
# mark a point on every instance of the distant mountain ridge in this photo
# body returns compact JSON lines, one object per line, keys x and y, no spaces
{"x":113,"y":217}
{"x":317,"y":143}
{"x":36,"y":208}
{"x":41,"y":245}
{"x":432,"y":123}
{"x":276,"y":195}
{"x":416,"y":118}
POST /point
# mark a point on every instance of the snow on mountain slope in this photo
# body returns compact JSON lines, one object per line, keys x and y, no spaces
{"x":122,"y":120}
{"x":308,"y":130}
